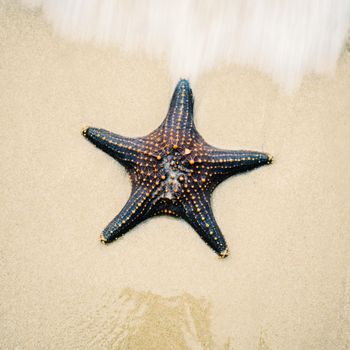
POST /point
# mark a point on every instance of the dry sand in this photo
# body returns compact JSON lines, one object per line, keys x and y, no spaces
{"x":286,"y":283}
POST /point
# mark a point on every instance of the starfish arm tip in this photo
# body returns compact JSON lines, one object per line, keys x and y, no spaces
{"x":103,"y":239}
{"x":224,"y":254}
{"x":269,"y":159}
{"x":84,"y":130}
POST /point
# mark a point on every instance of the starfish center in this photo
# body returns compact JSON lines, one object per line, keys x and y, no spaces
{"x":174,"y":174}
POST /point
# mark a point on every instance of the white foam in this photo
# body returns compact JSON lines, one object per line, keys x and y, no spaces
{"x":284,"y":38}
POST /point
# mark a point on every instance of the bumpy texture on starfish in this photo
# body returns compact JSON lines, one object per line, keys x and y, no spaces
{"x":173,"y":171}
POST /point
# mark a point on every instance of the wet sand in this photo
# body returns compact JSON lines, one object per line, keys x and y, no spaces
{"x":286,"y":282}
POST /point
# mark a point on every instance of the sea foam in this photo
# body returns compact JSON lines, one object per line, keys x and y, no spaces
{"x":286,"y":39}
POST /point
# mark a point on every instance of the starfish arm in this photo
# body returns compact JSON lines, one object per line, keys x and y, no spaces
{"x":198,"y":213}
{"x":178,"y":125}
{"x":224,"y":163}
{"x":136,"y":209}
{"x":126,"y":150}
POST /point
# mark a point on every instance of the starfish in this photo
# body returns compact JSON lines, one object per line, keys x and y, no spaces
{"x":173,"y":171}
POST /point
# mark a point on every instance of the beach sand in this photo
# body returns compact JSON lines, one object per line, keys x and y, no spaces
{"x":286,"y":284}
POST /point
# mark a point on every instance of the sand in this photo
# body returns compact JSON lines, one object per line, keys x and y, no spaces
{"x":286,"y":284}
